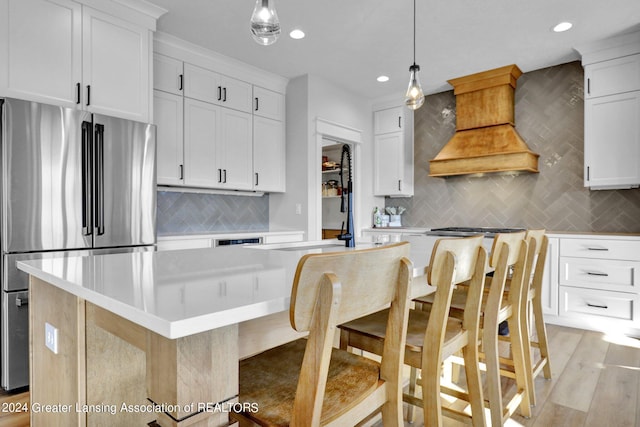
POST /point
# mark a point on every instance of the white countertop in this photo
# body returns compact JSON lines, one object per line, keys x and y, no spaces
{"x":180,"y":293}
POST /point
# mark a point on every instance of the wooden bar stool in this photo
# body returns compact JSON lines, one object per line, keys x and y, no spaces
{"x":308,"y":382}
{"x":508,"y":256}
{"x":434,"y":336}
{"x":531,"y":310}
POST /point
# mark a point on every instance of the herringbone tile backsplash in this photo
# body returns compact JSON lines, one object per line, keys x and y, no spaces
{"x":550,"y":118}
{"x":193,"y":213}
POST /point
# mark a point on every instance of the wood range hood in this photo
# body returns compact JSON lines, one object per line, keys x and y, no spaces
{"x":486,"y":140}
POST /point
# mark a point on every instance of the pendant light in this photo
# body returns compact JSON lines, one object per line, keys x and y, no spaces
{"x":414,"y":97}
{"x":265,"y":26}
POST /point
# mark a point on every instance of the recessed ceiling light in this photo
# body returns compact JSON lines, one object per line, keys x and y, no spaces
{"x":296,"y":34}
{"x":563,"y":26}
{"x":382,"y":79}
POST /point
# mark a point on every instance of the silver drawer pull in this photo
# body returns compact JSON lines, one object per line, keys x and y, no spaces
{"x":597,"y":305}
{"x":597,"y":249}
{"x":593,"y":273}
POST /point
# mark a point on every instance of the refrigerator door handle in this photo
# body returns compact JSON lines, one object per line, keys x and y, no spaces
{"x":87,"y":155}
{"x":99,"y":167}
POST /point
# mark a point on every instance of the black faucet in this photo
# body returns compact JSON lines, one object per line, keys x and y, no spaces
{"x":348,"y":236}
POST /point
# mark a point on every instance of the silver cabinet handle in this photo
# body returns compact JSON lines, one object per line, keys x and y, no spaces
{"x":597,"y":249}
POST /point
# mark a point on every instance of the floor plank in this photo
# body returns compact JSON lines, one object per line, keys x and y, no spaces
{"x":596,"y":382}
{"x":579,"y":379}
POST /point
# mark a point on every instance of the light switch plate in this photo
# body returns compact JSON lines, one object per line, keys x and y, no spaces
{"x":51,"y":337}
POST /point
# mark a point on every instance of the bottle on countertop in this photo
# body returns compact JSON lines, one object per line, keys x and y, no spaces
{"x":377,"y":217}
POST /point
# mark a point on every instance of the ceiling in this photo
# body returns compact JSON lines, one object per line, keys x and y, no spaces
{"x":351,"y":42}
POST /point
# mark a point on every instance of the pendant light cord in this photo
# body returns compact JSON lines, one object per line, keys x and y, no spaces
{"x":414,"y":32}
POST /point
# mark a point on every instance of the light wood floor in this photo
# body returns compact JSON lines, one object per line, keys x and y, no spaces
{"x":596,"y":383}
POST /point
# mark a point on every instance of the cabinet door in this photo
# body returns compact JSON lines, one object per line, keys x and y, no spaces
{"x":201,"y":129}
{"x":167,"y":74}
{"x":236,"y":94}
{"x":389,"y":120}
{"x":41,"y":40}
{"x":234,"y":150}
{"x":388,"y":154}
{"x":205,"y":85}
{"x":611,"y":77}
{"x":201,"y":84}
{"x":267,"y":103}
{"x":268,"y":154}
{"x":115,"y":66}
{"x":612,"y":141}
{"x":168,"y":117}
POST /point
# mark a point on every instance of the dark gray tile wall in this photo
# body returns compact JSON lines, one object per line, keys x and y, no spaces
{"x":195,"y":213}
{"x":550,"y":118}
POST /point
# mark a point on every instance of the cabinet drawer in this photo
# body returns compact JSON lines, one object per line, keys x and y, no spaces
{"x":601,"y":249}
{"x":593,"y":304}
{"x":610,"y":275}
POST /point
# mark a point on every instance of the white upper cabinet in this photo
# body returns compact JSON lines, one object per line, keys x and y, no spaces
{"x":612,"y":113}
{"x":168,"y":74}
{"x":232,"y":137}
{"x":206,"y":85}
{"x":611,"y":77}
{"x":388,"y":151}
{"x":269,"y":155}
{"x":64,"y":53}
{"x":41,"y":43}
{"x":168,"y":113}
{"x":217,"y":147}
{"x":388,"y":120}
{"x":115,"y":66}
{"x":235,"y":150}
{"x":201,"y":130}
{"x":612,"y":141}
{"x":393,"y":153}
{"x":267,"y":103}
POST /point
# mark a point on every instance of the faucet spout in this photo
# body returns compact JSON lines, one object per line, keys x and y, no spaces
{"x":349,"y":235}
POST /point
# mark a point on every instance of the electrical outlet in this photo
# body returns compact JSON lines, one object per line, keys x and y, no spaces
{"x":51,"y":337}
{"x":298,"y":209}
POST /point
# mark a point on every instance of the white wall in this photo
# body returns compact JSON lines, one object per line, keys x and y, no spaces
{"x":282,"y":206}
{"x":310,"y":97}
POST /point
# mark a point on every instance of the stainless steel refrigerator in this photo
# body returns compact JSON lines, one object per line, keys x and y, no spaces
{"x":72,"y":183}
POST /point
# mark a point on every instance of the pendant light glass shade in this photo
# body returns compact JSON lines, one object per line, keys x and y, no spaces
{"x":414,"y":97}
{"x":265,"y":26}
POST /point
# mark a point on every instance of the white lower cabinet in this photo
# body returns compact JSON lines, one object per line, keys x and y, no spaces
{"x":595,"y":305}
{"x":550,"y":281}
{"x":597,"y":285}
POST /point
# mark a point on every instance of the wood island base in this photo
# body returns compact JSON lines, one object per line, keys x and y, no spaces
{"x":111,"y":371}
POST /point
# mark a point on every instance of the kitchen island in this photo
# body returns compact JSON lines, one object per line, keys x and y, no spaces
{"x":129,"y":339}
